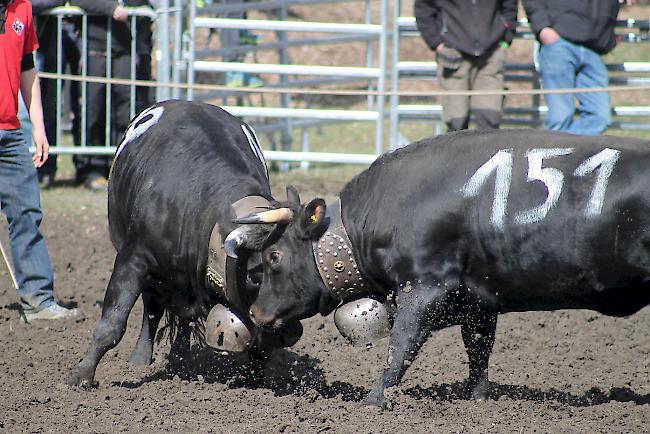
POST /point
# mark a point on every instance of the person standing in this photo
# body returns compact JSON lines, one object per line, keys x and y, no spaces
{"x":19,"y":193}
{"x":47,"y":58}
{"x":573,"y":34}
{"x":469,"y":38}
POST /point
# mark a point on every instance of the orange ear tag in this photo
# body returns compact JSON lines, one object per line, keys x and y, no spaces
{"x":313,"y":218}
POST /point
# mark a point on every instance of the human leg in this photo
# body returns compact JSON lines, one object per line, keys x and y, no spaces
{"x":558,"y":65}
{"x":88,"y":166}
{"x":48,"y":56}
{"x":594,"y":113}
{"x":20,"y":202}
{"x":488,"y":76}
{"x":455,"y":109}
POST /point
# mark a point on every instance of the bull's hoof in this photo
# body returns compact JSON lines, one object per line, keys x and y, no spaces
{"x":378,"y":401}
{"x":139,"y":358}
{"x":78,"y":378}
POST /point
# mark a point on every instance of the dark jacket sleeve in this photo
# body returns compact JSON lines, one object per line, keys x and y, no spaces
{"x":428,"y":18}
{"x":537,"y":13}
{"x":96,"y":7}
{"x":39,"y":6}
{"x":509,"y":14}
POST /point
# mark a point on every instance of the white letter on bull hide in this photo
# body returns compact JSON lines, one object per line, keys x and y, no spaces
{"x":138,"y":126}
{"x":552,"y":178}
{"x":502,"y":163}
{"x":605,"y":159}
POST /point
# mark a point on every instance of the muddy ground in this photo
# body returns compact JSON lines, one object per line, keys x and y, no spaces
{"x":564,"y":371}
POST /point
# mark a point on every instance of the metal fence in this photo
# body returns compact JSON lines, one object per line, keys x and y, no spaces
{"x":84,"y":78}
{"x":188,"y":67}
{"x":371,"y":71}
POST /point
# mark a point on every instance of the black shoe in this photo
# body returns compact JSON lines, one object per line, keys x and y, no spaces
{"x":96,"y":182}
{"x":46,"y":180}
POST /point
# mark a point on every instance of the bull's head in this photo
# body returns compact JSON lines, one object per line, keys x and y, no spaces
{"x":291,"y":288}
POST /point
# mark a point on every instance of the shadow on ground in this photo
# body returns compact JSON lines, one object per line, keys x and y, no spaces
{"x":593,"y":396}
{"x":286,"y":373}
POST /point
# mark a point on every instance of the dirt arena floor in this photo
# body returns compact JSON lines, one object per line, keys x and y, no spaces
{"x":552,"y":372}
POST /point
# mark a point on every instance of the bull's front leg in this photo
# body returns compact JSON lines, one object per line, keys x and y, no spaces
{"x":151,"y":315}
{"x":478,"y":329}
{"x":124,"y":287}
{"x":419,"y":312}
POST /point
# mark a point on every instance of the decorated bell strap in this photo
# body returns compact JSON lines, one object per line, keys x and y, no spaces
{"x":215,"y":271}
{"x":335,"y":259}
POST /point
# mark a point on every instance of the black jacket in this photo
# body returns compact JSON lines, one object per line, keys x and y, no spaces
{"x":585,"y":22}
{"x":99,"y":10}
{"x":470,"y":26}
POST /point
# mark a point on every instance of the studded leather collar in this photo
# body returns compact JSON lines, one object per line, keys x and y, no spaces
{"x":335,"y":259}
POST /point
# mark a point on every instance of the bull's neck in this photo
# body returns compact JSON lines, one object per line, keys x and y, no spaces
{"x":335,"y":259}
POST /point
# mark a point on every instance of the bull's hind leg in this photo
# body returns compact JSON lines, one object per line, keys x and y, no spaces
{"x":419,"y":312}
{"x":124,"y":287}
{"x":478,"y":329}
{"x":153,"y":311}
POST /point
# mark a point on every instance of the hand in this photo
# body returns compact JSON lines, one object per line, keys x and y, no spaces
{"x":548,"y":36}
{"x":440,"y":47}
{"x":42,"y":147}
{"x":120,"y":13}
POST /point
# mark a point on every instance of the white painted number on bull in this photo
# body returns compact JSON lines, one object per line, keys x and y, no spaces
{"x":552,"y":178}
{"x":255,"y":145}
{"x":502,"y":163}
{"x":605,"y":159}
{"x":140,"y":124}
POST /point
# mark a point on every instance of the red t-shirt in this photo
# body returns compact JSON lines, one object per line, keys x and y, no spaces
{"x":18,"y":39}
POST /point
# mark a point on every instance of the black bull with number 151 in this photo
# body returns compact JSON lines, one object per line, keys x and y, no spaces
{"x":460,"y":228}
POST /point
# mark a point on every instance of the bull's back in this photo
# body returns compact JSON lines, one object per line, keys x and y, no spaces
{"x":177,"y":169}
{"x":511,"y":207}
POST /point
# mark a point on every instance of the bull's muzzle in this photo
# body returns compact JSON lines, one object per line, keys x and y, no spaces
{"x":264,"y":319}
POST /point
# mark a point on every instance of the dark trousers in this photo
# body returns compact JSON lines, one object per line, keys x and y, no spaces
{"x":96,"y":113}
{"x":47,"y":59}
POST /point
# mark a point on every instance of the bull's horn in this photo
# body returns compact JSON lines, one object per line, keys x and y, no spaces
{"x":280,"y":215}
{"x":234,"y":241}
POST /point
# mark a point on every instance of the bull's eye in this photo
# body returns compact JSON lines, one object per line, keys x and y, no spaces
{"x":274,"y":257}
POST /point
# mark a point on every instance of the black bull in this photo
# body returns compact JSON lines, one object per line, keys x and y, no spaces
{"x":457,"y":229}
{"x":177,"y":171}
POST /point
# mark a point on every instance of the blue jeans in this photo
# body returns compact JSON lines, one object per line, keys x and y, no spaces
{"x":20,"y":201}
{"x":565,"y":65}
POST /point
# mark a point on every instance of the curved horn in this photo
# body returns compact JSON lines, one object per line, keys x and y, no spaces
{"x":280,"y":215}
{"x":234,"y":241}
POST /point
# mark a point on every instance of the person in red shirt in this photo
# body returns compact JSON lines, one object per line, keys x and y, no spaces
{"x":19,"y":194}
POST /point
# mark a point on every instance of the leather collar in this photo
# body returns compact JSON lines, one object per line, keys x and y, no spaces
{"x":335,"y":259}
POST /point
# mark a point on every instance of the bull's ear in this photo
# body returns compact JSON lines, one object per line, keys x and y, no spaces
{"x":292,"y":196}
{"x":311,"y":219}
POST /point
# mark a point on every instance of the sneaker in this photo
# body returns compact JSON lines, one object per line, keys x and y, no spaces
{"x":54,"y":311}
{"x":253,"y":81}
{"x":242,"y":79}
{"x":96,"y":182}
{"x":234,"y":79}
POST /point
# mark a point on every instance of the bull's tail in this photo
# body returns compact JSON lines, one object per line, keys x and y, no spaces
{"x":173,"y":325}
